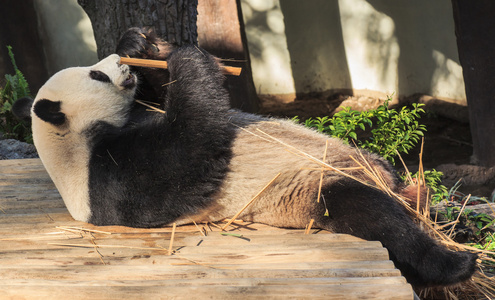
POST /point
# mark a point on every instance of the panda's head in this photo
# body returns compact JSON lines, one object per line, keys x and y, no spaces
{"x":75,"y":98}
{"x":63,"y":113}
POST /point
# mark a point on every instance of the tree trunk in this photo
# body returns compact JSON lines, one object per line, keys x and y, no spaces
{"x":220,"y":30}
{"x":172,"y":20}
{"x":18,"y":28}
{"x":475,"y":31}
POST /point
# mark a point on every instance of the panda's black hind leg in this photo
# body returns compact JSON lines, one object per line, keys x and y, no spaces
{"x":370,"y":214}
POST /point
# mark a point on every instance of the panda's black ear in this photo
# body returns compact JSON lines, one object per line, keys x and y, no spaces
{"x":49,"y":111}
{"x":22,"y":109}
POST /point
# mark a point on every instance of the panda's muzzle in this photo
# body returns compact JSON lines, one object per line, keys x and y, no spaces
{"x":129,"y":82}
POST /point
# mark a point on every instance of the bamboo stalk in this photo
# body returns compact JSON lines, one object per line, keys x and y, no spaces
{"x":458,"y":217}
{"x":150,"y":106}
{"x":161,"y":64}
{"x":105,"y":246}
{"x":408,"y":174}
{"x":249,"y":203}
{"x":72,"y":228}
{"x":308,"y":228}
{"x":421,"y":174}
{"x":321,"y":174}
{"x":172,"y":240}
{"x":312,"y":158}
{"x":197,"y":227}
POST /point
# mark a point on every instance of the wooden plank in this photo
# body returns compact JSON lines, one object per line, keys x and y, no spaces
{"x":166,"y":272}
{"x":180,"y":244}
{"x":103,"y":273}
{"x":29,"y":205}
{"x":350,"y":291}
{"x":254,"y":281}
{"x":21,"y":163}
{"x":153,"y":256}
{"x":133,"y":263}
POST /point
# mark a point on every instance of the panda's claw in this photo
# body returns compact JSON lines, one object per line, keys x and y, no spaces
{"x":155,"y":47}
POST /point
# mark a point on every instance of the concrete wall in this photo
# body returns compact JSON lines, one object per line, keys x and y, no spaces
{"x":66,"y":33}
{"x":402,"y":47}
{"x":355,"y":46}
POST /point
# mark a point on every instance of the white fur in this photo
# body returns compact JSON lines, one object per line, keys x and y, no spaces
{"x":63,"y":149}
{"x":258,"y":158}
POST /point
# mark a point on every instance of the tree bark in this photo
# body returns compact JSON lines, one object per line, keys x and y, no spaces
{"x":475,"y":31}
{"x":172,"y":20}
{"x":220,"y":31}
{"x":18,"y":28}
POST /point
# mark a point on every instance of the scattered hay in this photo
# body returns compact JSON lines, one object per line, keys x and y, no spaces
{"x":172,"y":239}
{"x":480,"y":285}
{"x":250,"y":202}
{"x":151,"y":105}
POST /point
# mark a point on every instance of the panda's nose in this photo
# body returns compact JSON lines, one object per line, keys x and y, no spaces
{"x":124,"y":68}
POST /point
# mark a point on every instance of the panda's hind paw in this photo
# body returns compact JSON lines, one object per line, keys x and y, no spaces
{"x":143,"y":43}
{"x":442,"y":267}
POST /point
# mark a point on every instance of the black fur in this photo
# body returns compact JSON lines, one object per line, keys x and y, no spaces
{"x":143,"y":43}
{"x":22,"y":109}
{"x":49,"y":111}
{"x":99,"y":76}
{"x":372,"y":215}
{"x":160,"y":167}
{"x":194,"y":140}
{"x":140,"y":173}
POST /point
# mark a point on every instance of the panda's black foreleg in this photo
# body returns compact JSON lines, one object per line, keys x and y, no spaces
{"x":372,"y":215}
{"x":144,"y":43}
{"x":196,"y":98}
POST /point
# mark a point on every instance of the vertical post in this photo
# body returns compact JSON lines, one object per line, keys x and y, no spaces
{"x":475,"y":32}
{"x":173,"y":20}
{"x":221,"y":32}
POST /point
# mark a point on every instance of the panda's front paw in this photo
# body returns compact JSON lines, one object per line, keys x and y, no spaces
{"x":143,"y":43}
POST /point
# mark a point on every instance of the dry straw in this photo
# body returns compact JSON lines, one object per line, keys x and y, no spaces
{"x":480,"y":284}
{"x":250,"y":202}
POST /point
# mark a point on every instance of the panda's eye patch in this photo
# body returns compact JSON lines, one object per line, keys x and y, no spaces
{"x":100,"y":76}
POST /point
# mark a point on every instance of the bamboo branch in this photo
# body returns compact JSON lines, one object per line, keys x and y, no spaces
{"x":249,"y":203}
{"x":161,"y":64}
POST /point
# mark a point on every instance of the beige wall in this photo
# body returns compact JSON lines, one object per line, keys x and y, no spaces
{"x":402,"y":47}
{"x":66,"y":33}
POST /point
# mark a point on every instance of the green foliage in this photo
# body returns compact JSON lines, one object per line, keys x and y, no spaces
{"x":481,"y":225}
{"x":15,"y":87}
{"x":391,"y":130}
{"x":396,"y":131}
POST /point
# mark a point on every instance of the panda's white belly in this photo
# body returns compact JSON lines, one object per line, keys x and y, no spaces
{"x":67,"y":164}
{"x":257,"y":159}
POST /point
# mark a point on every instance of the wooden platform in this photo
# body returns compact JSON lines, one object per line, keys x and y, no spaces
{"x":45,"y":254}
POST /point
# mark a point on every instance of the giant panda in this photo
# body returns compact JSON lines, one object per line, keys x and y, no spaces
{"x":116,"y":163}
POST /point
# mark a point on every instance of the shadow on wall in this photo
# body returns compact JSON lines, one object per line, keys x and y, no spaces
{"x":265,"y":30}
{"x":66,"y":33}
{"x":47,"y":36}
{"x":428,"y":62}
{"x":316,"y":46}
{"x":360,"y":46}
